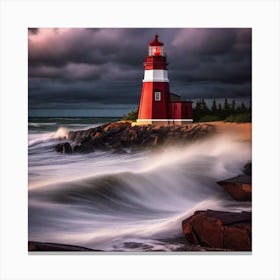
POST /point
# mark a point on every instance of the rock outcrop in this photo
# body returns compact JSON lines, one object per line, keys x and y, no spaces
{"x":119,"y":136}
{"x":217,"y":229}
{"x":64,"y":148}
{"x":239,"y":187}
{"x":46,"y":247}
{"x":247,"y":169}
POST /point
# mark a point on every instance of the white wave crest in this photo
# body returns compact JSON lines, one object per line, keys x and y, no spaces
{"x":37,"y":138}
{"x":61,"y":133}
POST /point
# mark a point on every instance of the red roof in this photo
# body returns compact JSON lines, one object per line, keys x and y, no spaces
{"x":155,"y":42}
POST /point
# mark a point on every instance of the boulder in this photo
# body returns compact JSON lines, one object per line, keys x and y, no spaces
{"x":218,"y":229}
{"x":113,"y":128}
{"x":247,"y":169}
{"x":64,"y":148}
{"x":239,"y":187}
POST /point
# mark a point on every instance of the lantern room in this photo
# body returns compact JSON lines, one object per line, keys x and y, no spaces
{"x":156,"y":47}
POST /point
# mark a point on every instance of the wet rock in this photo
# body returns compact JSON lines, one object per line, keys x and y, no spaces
{"x":156,"y":140}
{"x":47,"y":247}
{"x":64,"y":148}
{"x":239,"y":187}
{"x":114,"y":128}
{"x":247,"y":169}
{"x":218,"y":229}
{"x":84,"y":148}
{"x":128,"y":138}
{"x":97,"y":136}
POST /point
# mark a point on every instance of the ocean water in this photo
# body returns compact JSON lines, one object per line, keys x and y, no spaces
{"x":124,"y":202}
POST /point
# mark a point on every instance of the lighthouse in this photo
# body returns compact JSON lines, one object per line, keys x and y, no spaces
{"x":157,"y":104}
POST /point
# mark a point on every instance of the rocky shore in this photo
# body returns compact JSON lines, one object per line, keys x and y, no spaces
{"x":239,"y":187}
{"x":120,"y":136}
{"x":220,"y":229}
{"x":207,"y":230}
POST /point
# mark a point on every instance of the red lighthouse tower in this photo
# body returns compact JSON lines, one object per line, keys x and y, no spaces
{"x":157,"y":104}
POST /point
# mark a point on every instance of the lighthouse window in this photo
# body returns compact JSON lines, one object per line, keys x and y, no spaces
{"x":157,"y":95}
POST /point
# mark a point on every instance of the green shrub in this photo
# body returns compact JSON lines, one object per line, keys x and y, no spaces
{"x":240,"y":118}
{"x":209,"y":118}
{"x":131,"y":116}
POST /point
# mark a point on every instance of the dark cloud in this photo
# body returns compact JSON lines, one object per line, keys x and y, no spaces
{"x":105,"y":66}
{"x":33,"y":30}
{"x":204,"y":41}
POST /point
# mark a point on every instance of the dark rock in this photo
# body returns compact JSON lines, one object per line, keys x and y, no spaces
{"x":114,"y":128}
{"x":218,"y":229}
{"x":247,"y":169}
{"x":85,"y":147}
{"x":47,"y":247}
{"x":97,"y":136}
{"x":239,"y":187}
{"x":64,"y":148}
{"x":128,"y":137}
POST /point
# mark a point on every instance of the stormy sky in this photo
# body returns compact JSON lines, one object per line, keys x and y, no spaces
{"x":99,"y":72}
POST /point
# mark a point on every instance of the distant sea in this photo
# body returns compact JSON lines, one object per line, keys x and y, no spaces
{"x":116,"y":111}
{"x":123,"y":202}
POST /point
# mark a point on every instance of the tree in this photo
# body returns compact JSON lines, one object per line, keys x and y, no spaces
{"x":226,"y":106}
{"x":198,"y":105}
{"x":226,"y":109}
{"x":214,"y":107}
{"x":233,"y":105}
{"x":243,"y":108}
{"x":220,"y":111}
{"x":131,"y":116}
{"x":205,"y":108}
{"x":219,"y":107}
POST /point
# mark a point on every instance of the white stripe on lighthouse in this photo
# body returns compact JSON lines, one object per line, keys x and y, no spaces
{"x":156,"y":75}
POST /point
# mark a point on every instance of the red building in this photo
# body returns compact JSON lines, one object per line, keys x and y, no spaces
{"x":158,"y":105}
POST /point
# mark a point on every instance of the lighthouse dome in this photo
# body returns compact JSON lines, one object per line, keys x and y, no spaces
{"x":155,"y":42}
